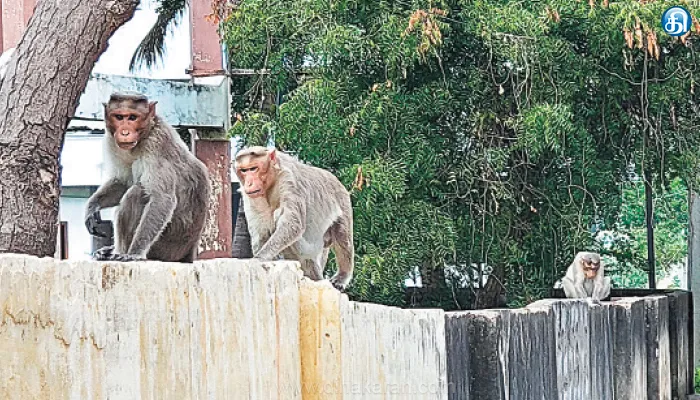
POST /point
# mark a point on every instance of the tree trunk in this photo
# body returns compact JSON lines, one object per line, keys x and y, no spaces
{"x":649,"y":218}
{"x":241,"y":237}
{"x":492,"y":295}
{"x":432,"y":276}
{"x":39,"y":94}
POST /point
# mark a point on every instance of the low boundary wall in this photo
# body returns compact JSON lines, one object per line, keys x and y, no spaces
{"x":241,"y":329}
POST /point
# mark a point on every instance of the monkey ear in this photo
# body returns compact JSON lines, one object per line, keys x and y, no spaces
{"x":152,"y":108}
{"x":273,"y":155}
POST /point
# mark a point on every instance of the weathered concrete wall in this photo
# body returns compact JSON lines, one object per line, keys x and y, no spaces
{"x":658,"y":348}
{"x":680,"y":338}
{"x":573,"y":347}
{"x":629,"y":349}
{"x":601,"y":342}
{"x":356,"y":350}
{"x":458,"y":356}
{"x":241,"y":329}
{"x":571,"y":350}
{"x":486,"y":378}
{"x":179,"y":101}
{"x":215,"y":329}
{"x":390,"y":353}
{"x":85,"y":330}
{"x":511,"y":354}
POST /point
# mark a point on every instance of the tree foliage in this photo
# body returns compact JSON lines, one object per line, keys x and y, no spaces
{"x":474,"y":135}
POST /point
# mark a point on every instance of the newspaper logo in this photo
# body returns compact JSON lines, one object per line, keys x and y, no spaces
{"x":676,"y":21}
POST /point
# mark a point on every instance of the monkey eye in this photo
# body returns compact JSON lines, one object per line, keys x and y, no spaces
{"x":119,"y":117}
{"x":132,"y":117}
{"x":251,"y":169}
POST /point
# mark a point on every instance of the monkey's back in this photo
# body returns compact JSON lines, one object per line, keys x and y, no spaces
{"x":190,"y":177}
{"x":326,"y":197}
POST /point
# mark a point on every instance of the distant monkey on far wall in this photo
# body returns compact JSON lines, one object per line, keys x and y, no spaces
{"x":161,"y":188}
{"x":296,"y":210}
{"x":585,"y":277}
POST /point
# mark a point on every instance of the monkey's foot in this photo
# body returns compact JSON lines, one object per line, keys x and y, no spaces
{"x":104,"y":253}
{"x":125,"y":258}
{"x":340,"y":281}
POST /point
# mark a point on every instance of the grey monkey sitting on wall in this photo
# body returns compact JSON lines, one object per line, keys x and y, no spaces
{"x":297,"y":211}
{"x":585,"y":278}
{"x":160,"y":187}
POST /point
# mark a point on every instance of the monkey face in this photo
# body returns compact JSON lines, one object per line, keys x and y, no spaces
{"x":591,"y":267}
{"x":255,"y":174}
{"x":128,"y":122}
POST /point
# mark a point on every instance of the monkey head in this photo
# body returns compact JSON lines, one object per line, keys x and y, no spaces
{"x":590,"y":263}
{"x":256,"y":168}
{"x":128,"y":118}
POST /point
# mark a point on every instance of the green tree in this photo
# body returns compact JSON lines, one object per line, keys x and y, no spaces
{"x":488,"y":137}
{"x":626,"y":245}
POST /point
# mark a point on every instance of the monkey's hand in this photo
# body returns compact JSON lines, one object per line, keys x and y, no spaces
{"x":340,"y":281}
{"x":94,"y":223}
{"x":594,"y":301}
{"x":104,"y":253}
{"x":125,"y":258}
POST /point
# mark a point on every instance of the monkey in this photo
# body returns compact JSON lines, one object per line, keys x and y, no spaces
{"x":585,"y":278}
{"x":296,"y":211}
{"x":161,"y":189}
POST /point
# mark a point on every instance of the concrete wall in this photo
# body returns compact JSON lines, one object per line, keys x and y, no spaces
{"x":83,"y":330}
{"x":241,"y":329}
{"x":629,"y":348}
{"x":366,"y":351}
{"x":217,"y":329}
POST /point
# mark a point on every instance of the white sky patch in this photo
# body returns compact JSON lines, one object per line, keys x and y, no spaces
{"x":176,"y":59}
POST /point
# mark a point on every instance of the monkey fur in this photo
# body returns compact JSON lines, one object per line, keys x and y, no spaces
{"x":297,"y":211}
{"x":161,"y":189}
{"x":585,"y":278}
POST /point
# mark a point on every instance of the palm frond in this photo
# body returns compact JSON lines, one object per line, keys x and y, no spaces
{"x":152,"y":47}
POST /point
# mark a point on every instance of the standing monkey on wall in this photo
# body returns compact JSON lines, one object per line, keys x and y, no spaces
{"x":585,"y":278}
{"x":161,"y":188}
{"x":297,"y":211}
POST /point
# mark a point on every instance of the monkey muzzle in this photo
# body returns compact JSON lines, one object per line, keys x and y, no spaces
{"x":127,"y":145}
{"x":122,"y":139}
{"x":590,"y":270}
{"x":254,"y":194}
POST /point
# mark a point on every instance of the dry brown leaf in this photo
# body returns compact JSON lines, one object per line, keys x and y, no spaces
{"x":359,"y":179}
{"x":629,"y":39}
{"x":557,"y":17}
{"x":684,"y":38}
{"x":553,"y":15}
